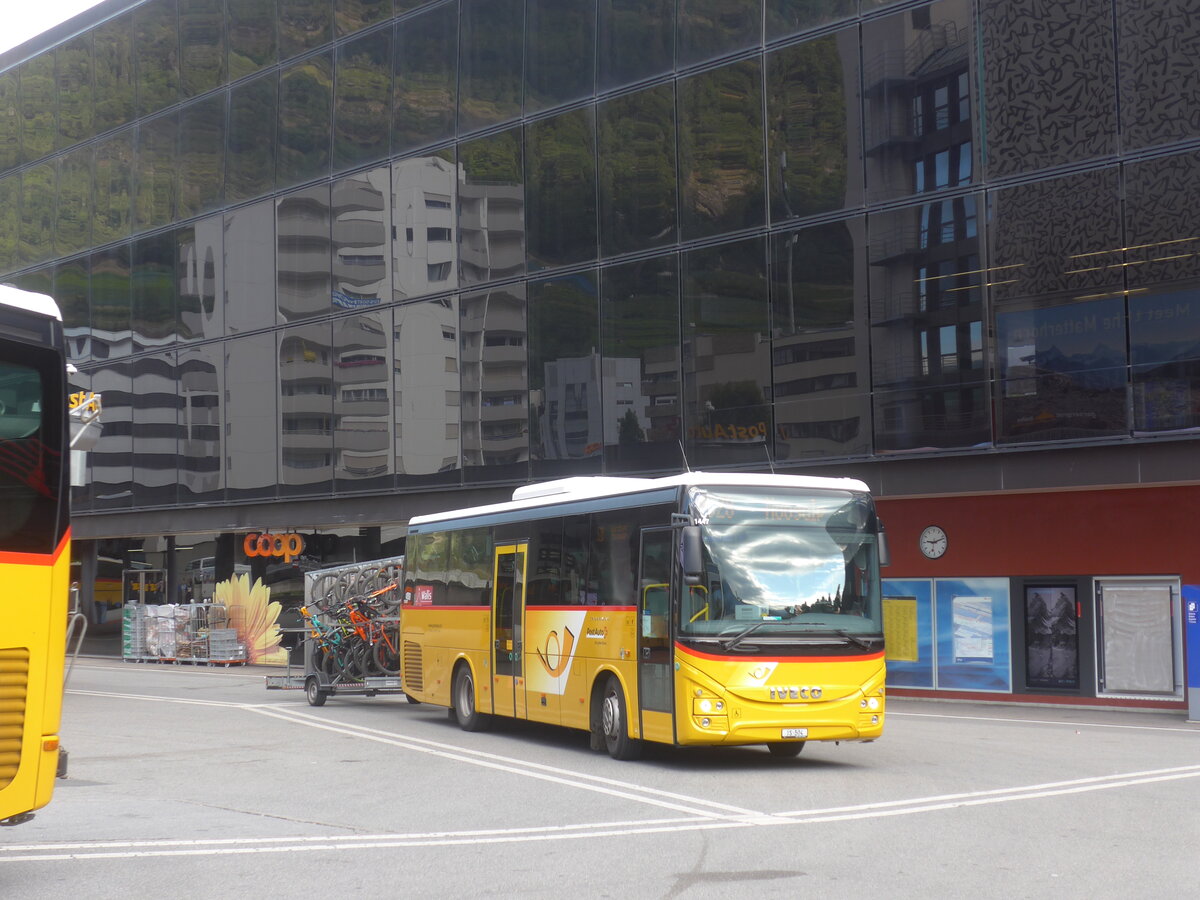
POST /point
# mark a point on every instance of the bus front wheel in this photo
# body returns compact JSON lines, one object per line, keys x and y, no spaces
{"x":614,"y":723}
{"x":786,"y":748}
{"x":469,"y":718}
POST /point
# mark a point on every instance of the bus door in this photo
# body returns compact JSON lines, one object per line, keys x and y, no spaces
{"x":654,"y":624}
{"x":508,"y":616}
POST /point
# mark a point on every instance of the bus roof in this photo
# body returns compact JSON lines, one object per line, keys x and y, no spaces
{"x":589,"y":487}
{"x":28,"y":300}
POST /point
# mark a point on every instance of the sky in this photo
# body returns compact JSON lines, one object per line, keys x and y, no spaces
{"x":24,"y":19}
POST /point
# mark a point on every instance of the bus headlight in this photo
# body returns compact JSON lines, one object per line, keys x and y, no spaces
{"x":873,"y":703}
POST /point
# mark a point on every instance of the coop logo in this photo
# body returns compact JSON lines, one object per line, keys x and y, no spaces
{"x":289,"y":546}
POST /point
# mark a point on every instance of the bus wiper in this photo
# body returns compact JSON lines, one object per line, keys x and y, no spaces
{"x":866,"y":645}
{"x":744,"y":633}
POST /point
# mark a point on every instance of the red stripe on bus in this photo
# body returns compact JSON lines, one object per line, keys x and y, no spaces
{"x":532,"y":606}
{"x":783,"y":659}
{"x":36,"y":559}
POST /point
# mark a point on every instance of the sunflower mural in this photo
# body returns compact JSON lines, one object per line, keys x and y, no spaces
{"x":255,"y":616}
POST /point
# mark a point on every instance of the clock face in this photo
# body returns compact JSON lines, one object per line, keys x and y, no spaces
{"x":933,"y":542}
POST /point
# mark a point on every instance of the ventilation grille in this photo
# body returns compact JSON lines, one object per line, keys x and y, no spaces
{"x":14,"y":676}
{"x":413,"y":678}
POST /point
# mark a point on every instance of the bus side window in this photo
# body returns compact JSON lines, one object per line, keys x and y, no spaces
{"x":655,"y":604}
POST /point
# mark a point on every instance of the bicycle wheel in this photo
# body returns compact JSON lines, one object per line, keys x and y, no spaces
{"x":386,"y":660}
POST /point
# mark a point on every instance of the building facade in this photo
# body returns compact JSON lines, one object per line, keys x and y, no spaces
{"x":335,"y":263}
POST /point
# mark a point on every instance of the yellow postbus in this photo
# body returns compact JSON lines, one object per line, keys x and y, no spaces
{"x":35,"y":553}
{"x":696,"y":609}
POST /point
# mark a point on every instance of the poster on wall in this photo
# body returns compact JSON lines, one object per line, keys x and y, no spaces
{"x":908,"y":632}
{"x":900,"y":629}
{"x":973,"y":631}
{"x":1051,"y":637}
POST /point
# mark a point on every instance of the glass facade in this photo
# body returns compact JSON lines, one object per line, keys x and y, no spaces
{"x":310,"y":248}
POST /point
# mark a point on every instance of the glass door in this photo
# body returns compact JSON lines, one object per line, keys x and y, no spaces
{"x":508,"y":616}
{"x":654,"y":620}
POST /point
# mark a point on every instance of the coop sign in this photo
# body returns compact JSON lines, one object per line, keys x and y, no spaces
{"x":288,"y":546}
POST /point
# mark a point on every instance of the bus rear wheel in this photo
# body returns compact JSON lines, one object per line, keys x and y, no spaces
{"x":786,"y":749}
{"x":614,"y":723}
{"x":463,"y":697}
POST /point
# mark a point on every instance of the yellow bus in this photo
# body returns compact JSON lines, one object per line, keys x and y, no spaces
{"x":35,"y":548}
{"x":695,"y":609}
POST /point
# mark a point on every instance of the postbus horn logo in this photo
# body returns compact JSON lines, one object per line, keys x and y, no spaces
{"x":289,"y":546}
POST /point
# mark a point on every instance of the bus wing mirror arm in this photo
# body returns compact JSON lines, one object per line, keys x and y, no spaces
{"x":885,"y":553}
{"x":693,"y":555}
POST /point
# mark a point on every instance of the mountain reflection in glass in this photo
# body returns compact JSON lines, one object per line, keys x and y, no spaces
{"x":785,"y":561}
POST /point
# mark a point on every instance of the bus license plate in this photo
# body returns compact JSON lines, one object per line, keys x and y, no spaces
{"x":795,"y":732}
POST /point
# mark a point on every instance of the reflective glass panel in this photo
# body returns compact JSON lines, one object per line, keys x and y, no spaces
{"x":113,"y":182}
{"x":201,"y":155}
{"x":424,"y":226}
{"x":305,"y":409}
{"x":156,"y":188}
{"x":360,"y":240}
{"x":110,"y":303}
{"x":249,"y":267}
{"x":495,"y":411}
{"x":567,"y":426}
{"x":784,"y":17}
{"x":491,"y":215}
{"x":1062,"y":371}
{"x":490,"y":62}
{"x":73,"y":210}
{"x":350,"y":16}
{"x":156,"y":51}
{"x":39,"y":107}
{"x":156,"y":403}
{"x":253,"y":119}
{"x":112,"y":457}
{"x":113,"y":43}
{"x":1164,"y":334}
{"x":560,"y":212}
{"x":362,"y":407}
{"x":1056,"y":236}
{"x":1161,"y":242}
{"x":821,"y":376}
{"x":201,"y":387}
{"x":363,"y":94}
{"x":927,"y":285}
{"x":1159,"y":72}
{"x":252,"y":37}
{"x":921,"y":131}
{"x":10,"y":221}
{"x":1063,"y":107}
{"x":38,"y":187}
{"x":813,"y":154}
{"x":200,"y":279}
{"x":73,"y":64}
{"x":560,"y":47}
{"x":726,"y":363}
{"x":635,"y":40}
{"x":10,"y":126}
{"x":153,"y":298}
{"x":251,"y":417}
{"x":721,"y":150}
{"x":637,"y":171}
{"x":305,"y":118}
{"x":201,"y":45}
{"x":72,"y":290}
{"x":639,"y":321}
{"x":427,"y":392}
{"x":711,"y":28}
{"x":425,"y":86}
{"x":303,"y":25}
{"x":302,"y":236}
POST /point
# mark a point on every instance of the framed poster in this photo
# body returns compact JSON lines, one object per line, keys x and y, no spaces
{"x":1051,"y":637}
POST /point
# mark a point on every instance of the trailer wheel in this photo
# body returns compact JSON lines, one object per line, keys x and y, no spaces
{"x":312,"y":690}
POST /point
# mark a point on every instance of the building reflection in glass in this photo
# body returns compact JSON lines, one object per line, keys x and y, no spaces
{"x":424,"y":228}
{"x":491,"y":208}
{"x":425,"y":346}
{"x":567,"y":380}
{"x":821,"y":375}
{"x":200,"y":279}
{"x":305,"y":409}
{"x":251,"y":391}
{"x":201,"y":423}
{"x":494,"y":342}
{"x":156,"y":404}
{"x":112,"y":457}
{"x":362,"y":414}
{"x":361,"y":267}
{"x":302,"y":232}
{"x":249,"y":268}
{"x":639,"y":321}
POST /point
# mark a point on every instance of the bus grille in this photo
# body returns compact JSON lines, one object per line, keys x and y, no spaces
{"x":14,"y":676}
{"x":413,"y":679}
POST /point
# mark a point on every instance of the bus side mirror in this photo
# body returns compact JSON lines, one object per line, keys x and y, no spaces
{"x":885,"y":554}
{"x":693,"y":555}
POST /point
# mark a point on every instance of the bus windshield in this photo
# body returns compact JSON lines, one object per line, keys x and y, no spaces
{"x":784,"y":561}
